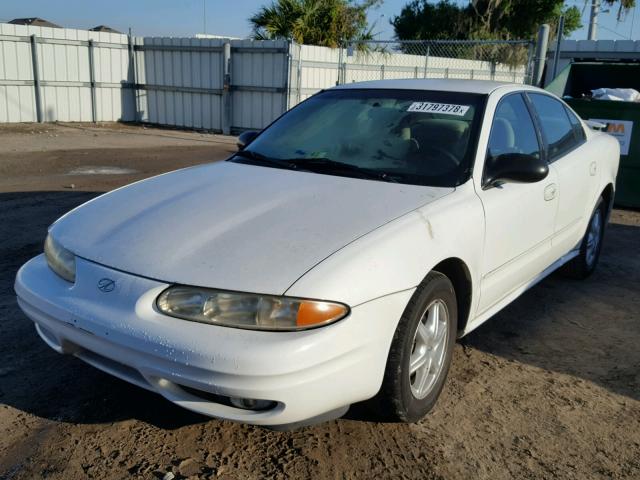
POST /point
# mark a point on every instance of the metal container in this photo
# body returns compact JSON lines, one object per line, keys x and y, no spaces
{"x":575,"y":83}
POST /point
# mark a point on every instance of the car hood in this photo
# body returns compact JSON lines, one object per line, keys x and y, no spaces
{"x":232,"y":226}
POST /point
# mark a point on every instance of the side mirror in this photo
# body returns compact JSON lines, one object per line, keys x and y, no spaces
{"x":245,"y":138}
{"x":516,"y":168}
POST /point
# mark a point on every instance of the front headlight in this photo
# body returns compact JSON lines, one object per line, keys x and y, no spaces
{"x":60,"y":260}
{"x":247,"y":310}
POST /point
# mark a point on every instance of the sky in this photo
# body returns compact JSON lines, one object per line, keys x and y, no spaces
{"x":186,"y":17}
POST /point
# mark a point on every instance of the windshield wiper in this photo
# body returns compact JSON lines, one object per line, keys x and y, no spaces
{"x":326,"y":165}
{"x":260,"y":159}
{"x":314,"y":164}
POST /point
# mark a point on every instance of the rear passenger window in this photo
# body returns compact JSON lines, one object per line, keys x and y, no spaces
{"x":578,"y":129}
{"x":512,"y":130}
{"x":559,"y":133}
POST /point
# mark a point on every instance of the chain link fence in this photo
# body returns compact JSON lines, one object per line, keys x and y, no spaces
{"x":510,"y":61}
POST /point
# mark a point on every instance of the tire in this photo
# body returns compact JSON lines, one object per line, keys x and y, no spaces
{"x":401,"y":398}
{"x":585,"y":263}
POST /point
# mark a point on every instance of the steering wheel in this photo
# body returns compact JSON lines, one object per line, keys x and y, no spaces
{"x":441,"y":153}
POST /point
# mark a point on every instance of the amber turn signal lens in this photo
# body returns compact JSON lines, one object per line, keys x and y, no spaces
{"x":313,"y":313}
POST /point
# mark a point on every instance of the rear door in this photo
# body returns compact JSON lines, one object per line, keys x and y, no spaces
{"x":566,"y":146}
{"x":519,"y":216}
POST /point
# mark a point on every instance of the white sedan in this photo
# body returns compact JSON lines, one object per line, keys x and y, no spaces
{"x":335,"y":258}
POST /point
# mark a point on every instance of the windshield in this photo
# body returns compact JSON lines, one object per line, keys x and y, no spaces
{"x":405,"y":136}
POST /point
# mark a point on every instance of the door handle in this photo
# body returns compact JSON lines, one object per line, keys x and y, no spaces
{"x":593,"y":168}
{"x":550,"y":192}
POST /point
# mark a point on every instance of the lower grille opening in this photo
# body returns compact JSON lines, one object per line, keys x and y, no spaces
{"x":235,"y":402}
{"x":47,"y":334}
{"x":117,"y":369}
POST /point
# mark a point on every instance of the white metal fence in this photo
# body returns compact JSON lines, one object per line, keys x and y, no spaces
{"x":52,"y":74}
{"x":60,"y":81}
{"x":187,"y":81}
{"x":314,"y":68}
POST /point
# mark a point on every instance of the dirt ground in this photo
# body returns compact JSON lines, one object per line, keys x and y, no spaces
{"x":548,"y":388}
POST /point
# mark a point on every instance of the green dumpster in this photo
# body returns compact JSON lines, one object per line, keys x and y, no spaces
{"x":622,"y":118}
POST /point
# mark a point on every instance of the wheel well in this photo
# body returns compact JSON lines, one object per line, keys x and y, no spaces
{"x":607,"y":195}
{"x":456,"y":270}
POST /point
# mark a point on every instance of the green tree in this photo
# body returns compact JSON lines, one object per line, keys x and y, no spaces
{"x":314,"y":22}
{"x":421,"y":20}
{"x":481,"y":19}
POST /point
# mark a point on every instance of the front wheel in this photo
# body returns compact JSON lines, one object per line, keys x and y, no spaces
{"x":421,"y":351}
{"x":585,"y":263}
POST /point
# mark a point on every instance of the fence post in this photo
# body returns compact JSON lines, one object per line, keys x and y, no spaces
{"x":339,"y":80}
{"x":92,"y":82}
{"x":226,"y":89}
{"x":287,"y":78}
{"x":426,"y":61}
{"x":36,"y":77}
{"x":382,"y":72}
{"x":556,"y":54}
{"x":541,"y":54}
{"x":299,"y":75}
{"x":134,"y":76}
{"x":529,"y":67}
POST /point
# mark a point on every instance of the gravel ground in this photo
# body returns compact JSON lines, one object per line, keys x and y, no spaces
{"x":548,"y":388}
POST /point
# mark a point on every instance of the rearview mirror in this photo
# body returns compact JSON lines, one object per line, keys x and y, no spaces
{"x":516,"y":168}
{"x":245,"y":138}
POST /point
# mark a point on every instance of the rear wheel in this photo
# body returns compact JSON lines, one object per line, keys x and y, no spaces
{"x":585,"y":263}
{"x":421,"y":351}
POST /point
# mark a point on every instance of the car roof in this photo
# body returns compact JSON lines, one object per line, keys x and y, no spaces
{"x":437,"y":84}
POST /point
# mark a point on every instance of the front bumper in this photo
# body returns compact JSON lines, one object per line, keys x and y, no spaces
{"x":306,"y":374}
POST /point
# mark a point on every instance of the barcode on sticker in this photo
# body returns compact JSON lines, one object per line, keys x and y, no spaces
{"x":445,"y":108}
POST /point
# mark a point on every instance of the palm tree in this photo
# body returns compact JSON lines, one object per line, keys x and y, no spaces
{"x":314,"y":22}
{"x":623,"y":7}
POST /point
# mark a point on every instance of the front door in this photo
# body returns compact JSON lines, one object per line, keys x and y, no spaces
{"x":519,"y":217}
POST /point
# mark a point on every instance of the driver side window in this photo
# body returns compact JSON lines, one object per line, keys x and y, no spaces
{"x":512,"y":130}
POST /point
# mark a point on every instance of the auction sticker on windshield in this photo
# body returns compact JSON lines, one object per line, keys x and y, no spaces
{"x":445,"y":108}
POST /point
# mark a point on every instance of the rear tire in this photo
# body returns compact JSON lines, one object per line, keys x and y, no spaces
{"x":585,"y":263}
{"x":421,"y":351}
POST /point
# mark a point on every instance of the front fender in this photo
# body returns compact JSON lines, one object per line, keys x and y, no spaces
{"x":397,"y":256}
